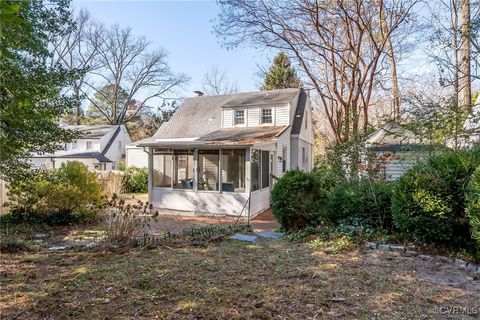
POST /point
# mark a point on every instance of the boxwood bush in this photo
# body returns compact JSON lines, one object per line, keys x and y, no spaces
{"x":299,"y":198}
{"x":473,"y":206}
{"x":429,"y":199}
{"x":365,"y":201}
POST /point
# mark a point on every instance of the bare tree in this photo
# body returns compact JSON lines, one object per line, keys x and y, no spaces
{"x":79,"y":50}
{"x":216,"y":82}
{"x":339,"y":45}
{"x":465,"y":80}
{"x":133,"y":73}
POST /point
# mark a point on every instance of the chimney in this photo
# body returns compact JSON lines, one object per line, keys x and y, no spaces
{"x":198,"y":93}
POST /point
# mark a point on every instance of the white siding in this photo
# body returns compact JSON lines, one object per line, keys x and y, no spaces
{"x":199,"y":202}
{"x":136,"y":157}
{"x":116,"y":152}
{"x":260,"y":201}
{"x":253,"y":117}
{"x":227,"y":118}
{"x":282,"y":115}
{"x":306,"y":133}
{"x":283,"y":141}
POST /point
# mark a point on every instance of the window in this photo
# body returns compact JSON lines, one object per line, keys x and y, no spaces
{"x":265,"y":169}
{"x":255,"y":170}
{"x":267,"y":116}
{"x":162,"y":168}
{"x":208,"y":161}
{"x":303,"y":156}
{"x":306,"y":120}
{"x":233,"y":170}
{"x":284,"y":159}
{"x":89,"y":145}
{"x":183,"y":169}
{"x":119,"y":145}
{"x":239,"y":117}
{"x":74,"y":144}
{"x":260,"y":169}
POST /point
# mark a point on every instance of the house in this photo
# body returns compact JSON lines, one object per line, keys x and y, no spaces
{"x":393,"y":149}
{"x":471,"y":127}
{"x":222,"y":154}
{"x":100,"y":148}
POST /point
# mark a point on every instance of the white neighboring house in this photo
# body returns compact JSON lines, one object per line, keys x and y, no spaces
{"x":100,"y":148}
{"x":217,"y":152}
{"x":471,"y":126}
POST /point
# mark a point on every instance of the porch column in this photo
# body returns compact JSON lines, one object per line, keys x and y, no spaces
{"x":150,"y":173}
{"x":247,"y":171}
{"x":195,"y":170}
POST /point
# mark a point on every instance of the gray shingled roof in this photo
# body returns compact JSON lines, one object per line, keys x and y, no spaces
{"x":199,"y":116}
{"x":80,"y":155}
{"x":91,"y":132}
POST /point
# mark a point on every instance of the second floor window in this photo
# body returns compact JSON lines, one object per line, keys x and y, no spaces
{"x":89,"y":145}
{"x":267,"y":116}
{"x":239,"y":117}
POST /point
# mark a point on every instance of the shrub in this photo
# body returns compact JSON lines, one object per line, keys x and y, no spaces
{"x":361,"y":202}
{"x":298,"y":198}
{"x":473,"y":205}
{"x":429,"y":199}
{"x":69,"y":194}
{"x":136,"y":179}
{"x":125,"y":222}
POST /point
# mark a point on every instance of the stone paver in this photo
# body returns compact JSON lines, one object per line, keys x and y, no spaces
{"x":244,"y":237}
{"x":270,"y":235}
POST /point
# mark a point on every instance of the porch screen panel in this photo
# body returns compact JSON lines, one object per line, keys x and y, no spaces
{"x":255,"y":170}
{"x":233,"y":170}
{"x":162,"y":168}
{"x":265,"y":169}
{"x":183,"y":169}
{"x":208,"y":166}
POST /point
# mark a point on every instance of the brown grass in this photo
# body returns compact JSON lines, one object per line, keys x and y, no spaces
{"x":228,"y":280}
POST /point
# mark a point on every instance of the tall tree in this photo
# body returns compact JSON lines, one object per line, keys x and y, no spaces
{"x":31,"y":99}
{"x":339,"y":46}
{"x":216,"y":82}
{"x":465,"y":80}
{"x":127,"y":64}
{"x":79,"y":49}
{"x":281,"y":74}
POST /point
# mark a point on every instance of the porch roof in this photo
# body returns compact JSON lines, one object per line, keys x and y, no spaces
{"x":231,"y":137}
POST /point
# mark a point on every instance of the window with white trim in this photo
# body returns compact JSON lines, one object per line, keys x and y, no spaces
{"x":89,"y":145}
{"x":267,"y":116}
{"x":239,"y":117}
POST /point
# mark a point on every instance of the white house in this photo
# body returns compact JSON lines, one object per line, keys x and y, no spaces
{"x":100,"y":148}
{"x":217,"y":152}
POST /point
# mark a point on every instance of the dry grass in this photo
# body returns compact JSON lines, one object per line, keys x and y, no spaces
{"x":229,"y":280}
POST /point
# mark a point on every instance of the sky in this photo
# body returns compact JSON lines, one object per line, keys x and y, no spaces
{"x":185,"y":30}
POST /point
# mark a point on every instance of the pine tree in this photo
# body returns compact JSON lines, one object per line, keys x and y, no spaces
{"x":281,"y":74}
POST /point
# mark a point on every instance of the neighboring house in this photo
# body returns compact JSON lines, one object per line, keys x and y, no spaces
{"x":471,"y":126}
{"x":217,"y":152}
{"x":136,"y":156}
{"x":393,"y":149}
{"x":100,"y":148}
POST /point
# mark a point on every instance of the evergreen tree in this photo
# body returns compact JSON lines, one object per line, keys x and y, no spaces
{"x":281,"y":74}
{"x":31,"y":98}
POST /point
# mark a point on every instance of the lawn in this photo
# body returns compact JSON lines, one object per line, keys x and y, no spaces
{"x":230,"y":280}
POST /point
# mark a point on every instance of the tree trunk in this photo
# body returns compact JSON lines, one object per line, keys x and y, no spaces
{"x":456,"y":68}
{"x":465,"y":51}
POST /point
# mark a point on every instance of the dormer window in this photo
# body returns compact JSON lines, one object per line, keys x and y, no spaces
{"x":267,"y":116}
{"x":239,"y":117}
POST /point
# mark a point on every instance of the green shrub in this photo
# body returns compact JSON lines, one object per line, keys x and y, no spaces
{"x":473,"y":205}
{"x":298,"y":198}
{"x":361,"y":202}
{"x":68,"y":194}
{"x":136,"y":179}
{"x":429,"y":199}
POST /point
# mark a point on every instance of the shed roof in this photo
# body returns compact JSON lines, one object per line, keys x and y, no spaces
{"x":392,"y":134}
{"x":79,"y":155}
{"x":244,"y":135}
